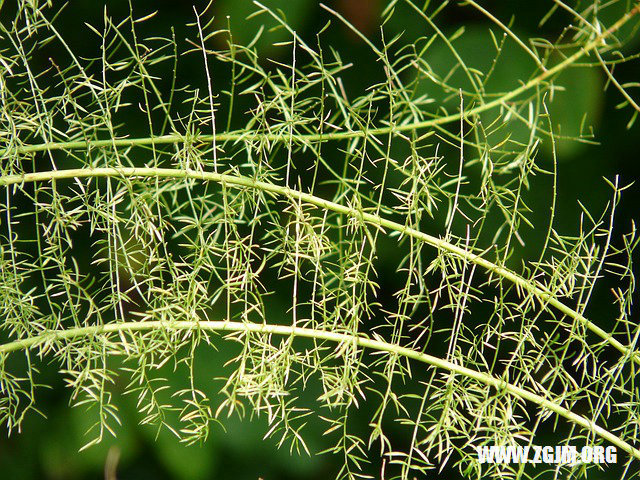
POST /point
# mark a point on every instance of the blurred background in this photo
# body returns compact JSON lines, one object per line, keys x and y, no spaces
{"x":48,"y":448}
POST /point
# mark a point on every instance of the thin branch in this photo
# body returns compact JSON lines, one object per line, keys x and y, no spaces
{"x":545,"y":296}
{"x":326,"y":136}
{"x":360,"y":341}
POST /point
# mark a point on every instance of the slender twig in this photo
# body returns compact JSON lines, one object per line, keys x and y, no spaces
{"x":545,"y":296}
{"x":360,"y":341}
{"x":328,"y":136}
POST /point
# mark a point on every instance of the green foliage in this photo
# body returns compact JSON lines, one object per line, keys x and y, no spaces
{"x":155,"y":222}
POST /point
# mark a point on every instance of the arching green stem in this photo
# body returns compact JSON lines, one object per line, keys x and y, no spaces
{"x":326,"y":136}
{"x":531,"y":286}
{"x":378,"y":345}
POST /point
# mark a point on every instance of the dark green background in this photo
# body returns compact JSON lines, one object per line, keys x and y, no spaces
{"x":49,"y":448}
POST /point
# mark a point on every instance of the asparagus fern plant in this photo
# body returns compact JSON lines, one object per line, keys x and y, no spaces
{"x":150,"y":212}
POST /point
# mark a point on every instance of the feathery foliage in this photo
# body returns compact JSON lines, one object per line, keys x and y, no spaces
{"x":148,"y":213}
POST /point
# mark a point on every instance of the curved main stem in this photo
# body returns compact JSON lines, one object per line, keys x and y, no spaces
{"x":360,"y":341}
{"x":534,"y":288}
{"x":240,"y":135}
